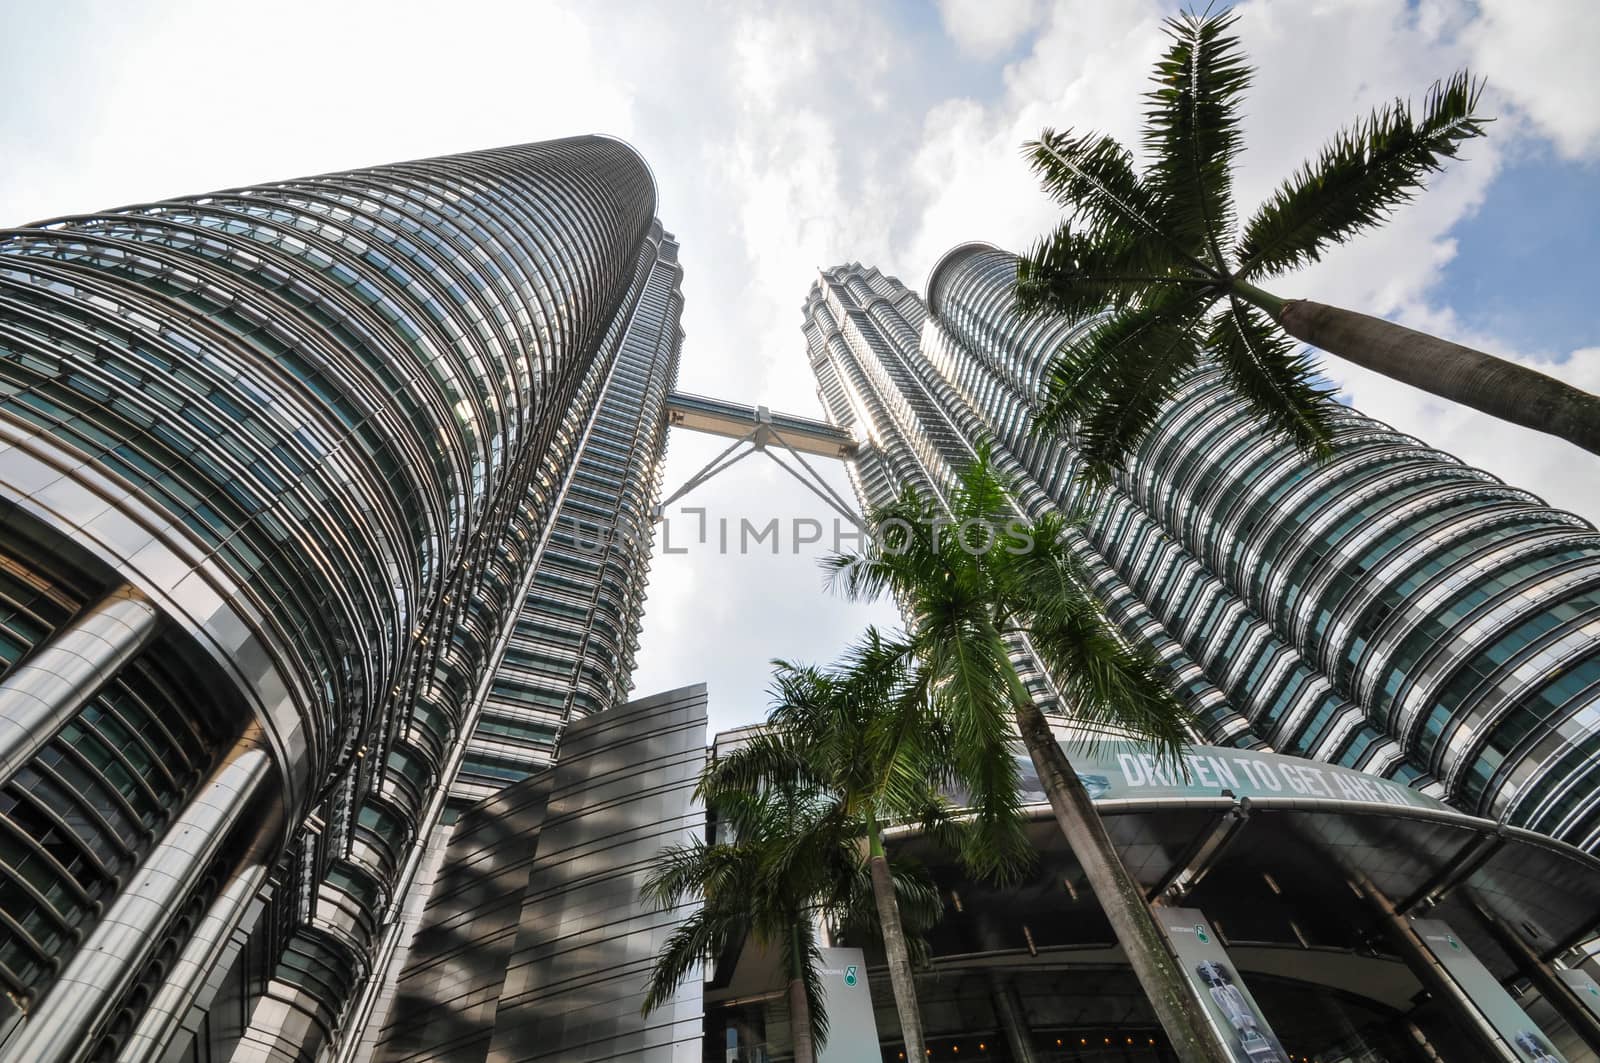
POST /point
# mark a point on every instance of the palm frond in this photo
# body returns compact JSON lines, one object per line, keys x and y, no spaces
{"x":1108,"y":681}
{"x":1114,"y":380}
{"x":916,"y":898}
{"x":767,"y":759}
{"x":817,"y":843}
{"x":1093,"y":178}
{"x":680,"y":871}
{"x":875,"y":650}
{"x":1192,"y":134}
{"x":938,"y":819}
{"x":921,"y":905}
{"x":700,"y":934}
{"x":1362,"y":175}
{"x":982,"y":493}
{"x":800,"y":953}
{"x":972,"y":676}
{"x":1051,"y":566}
{"x":1269,"y":369}
{"x":1074,"y":275}
{"x":746,"y":813}
{"x":1110,"y":687}
{"x":896,"y":557}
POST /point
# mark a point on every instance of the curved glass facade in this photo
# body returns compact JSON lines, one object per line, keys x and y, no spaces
{"x":1391,"y":609}
{"x":322,"y":430}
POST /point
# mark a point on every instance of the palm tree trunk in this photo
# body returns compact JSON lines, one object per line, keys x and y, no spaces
{"x":1177,"y":1008}
{"x":894,"y":944}
{"x":799,"y":1005}
{"x":1470,"y":377}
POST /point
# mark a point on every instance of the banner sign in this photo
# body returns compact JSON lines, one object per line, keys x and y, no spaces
{"x":1584,"y":986}
{"x":852,"y":1029}
{"x":1232,"y":1010}
{"x":1122,"y":770}
{"x":1486,"y":993}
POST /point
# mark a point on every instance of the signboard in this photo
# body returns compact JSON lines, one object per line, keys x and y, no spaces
{"x":1232,"y":1010}
{"x":1123,"y":770}
{"x":852,"y":1029}
{"x":1468,"y":972}
{"x":1583,"y":987}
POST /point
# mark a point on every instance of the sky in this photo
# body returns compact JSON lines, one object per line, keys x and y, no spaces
{"x":791,"y":137}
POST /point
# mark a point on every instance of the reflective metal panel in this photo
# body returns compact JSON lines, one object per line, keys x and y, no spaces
{"x":585,"y":940}
{"x":536,"y":945}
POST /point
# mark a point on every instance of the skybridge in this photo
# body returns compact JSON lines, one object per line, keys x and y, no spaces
{"x":785,"y":438}
{"x":697,"y":413}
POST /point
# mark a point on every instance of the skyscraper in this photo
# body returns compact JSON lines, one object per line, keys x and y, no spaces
{"x":1391,"y":609}
{"x":280,"y":472}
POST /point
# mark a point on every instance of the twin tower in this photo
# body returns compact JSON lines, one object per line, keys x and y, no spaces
{"x":289,"y":580}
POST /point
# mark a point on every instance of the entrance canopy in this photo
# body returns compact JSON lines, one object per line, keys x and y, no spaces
{"x":1283,"y":857}
{"x":1277,"y":850}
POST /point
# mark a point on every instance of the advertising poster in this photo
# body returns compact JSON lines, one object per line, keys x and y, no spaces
{"x":1490,"y":997}
{"x":1584,"y":986}
{"x":1234,"y":1013}
{"x":853,"y":1032}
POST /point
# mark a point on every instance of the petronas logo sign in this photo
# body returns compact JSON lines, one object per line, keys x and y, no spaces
{"x":1200,"y":932}
{"x":850,"y":975}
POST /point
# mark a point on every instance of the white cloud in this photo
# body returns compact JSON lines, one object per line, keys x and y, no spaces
{"x":969,"y":164}
{"x":987,"y":28}
{"x":130,"y":102}
{"x":1542,"y":56}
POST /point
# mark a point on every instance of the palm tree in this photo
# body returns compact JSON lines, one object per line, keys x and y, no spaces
{"x":787,"y":860}
{"x":969,"y":610}
{"x":858,"y":732}
{"x":1158,"y":268}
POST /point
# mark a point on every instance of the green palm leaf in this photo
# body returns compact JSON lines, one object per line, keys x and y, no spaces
{"x":1074,"y":275}
{"x":969,"y":667}
{"x":1110,"y":685}
{"x":1112,"y":383}
{"x":1093,"y":177}
{"x":1360,"y":177}
{"x":1192,"y":134}
{"x":917,"y":897}
{"x":1273,"y":374}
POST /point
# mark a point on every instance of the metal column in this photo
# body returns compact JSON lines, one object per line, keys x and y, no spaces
{"x":62,"y":1026}
{"x":49,"y":687}
{"x":1013,"y":1021}
{"x":1552,"y":988}
{"x":1397,"y":929}
{"x":164,"y":1016}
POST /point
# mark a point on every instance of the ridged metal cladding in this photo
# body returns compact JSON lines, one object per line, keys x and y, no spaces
{"x":1390,"y":609}
{"x":326,"y":390}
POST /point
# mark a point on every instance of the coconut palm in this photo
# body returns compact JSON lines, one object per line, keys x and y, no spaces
{"x":970,"y":611}
{"x":787,"y":859}
{"x":1163,"y":276}
{"x":859,"y":732}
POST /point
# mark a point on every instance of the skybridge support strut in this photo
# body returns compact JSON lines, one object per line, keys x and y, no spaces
{"x":767,"y":433}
